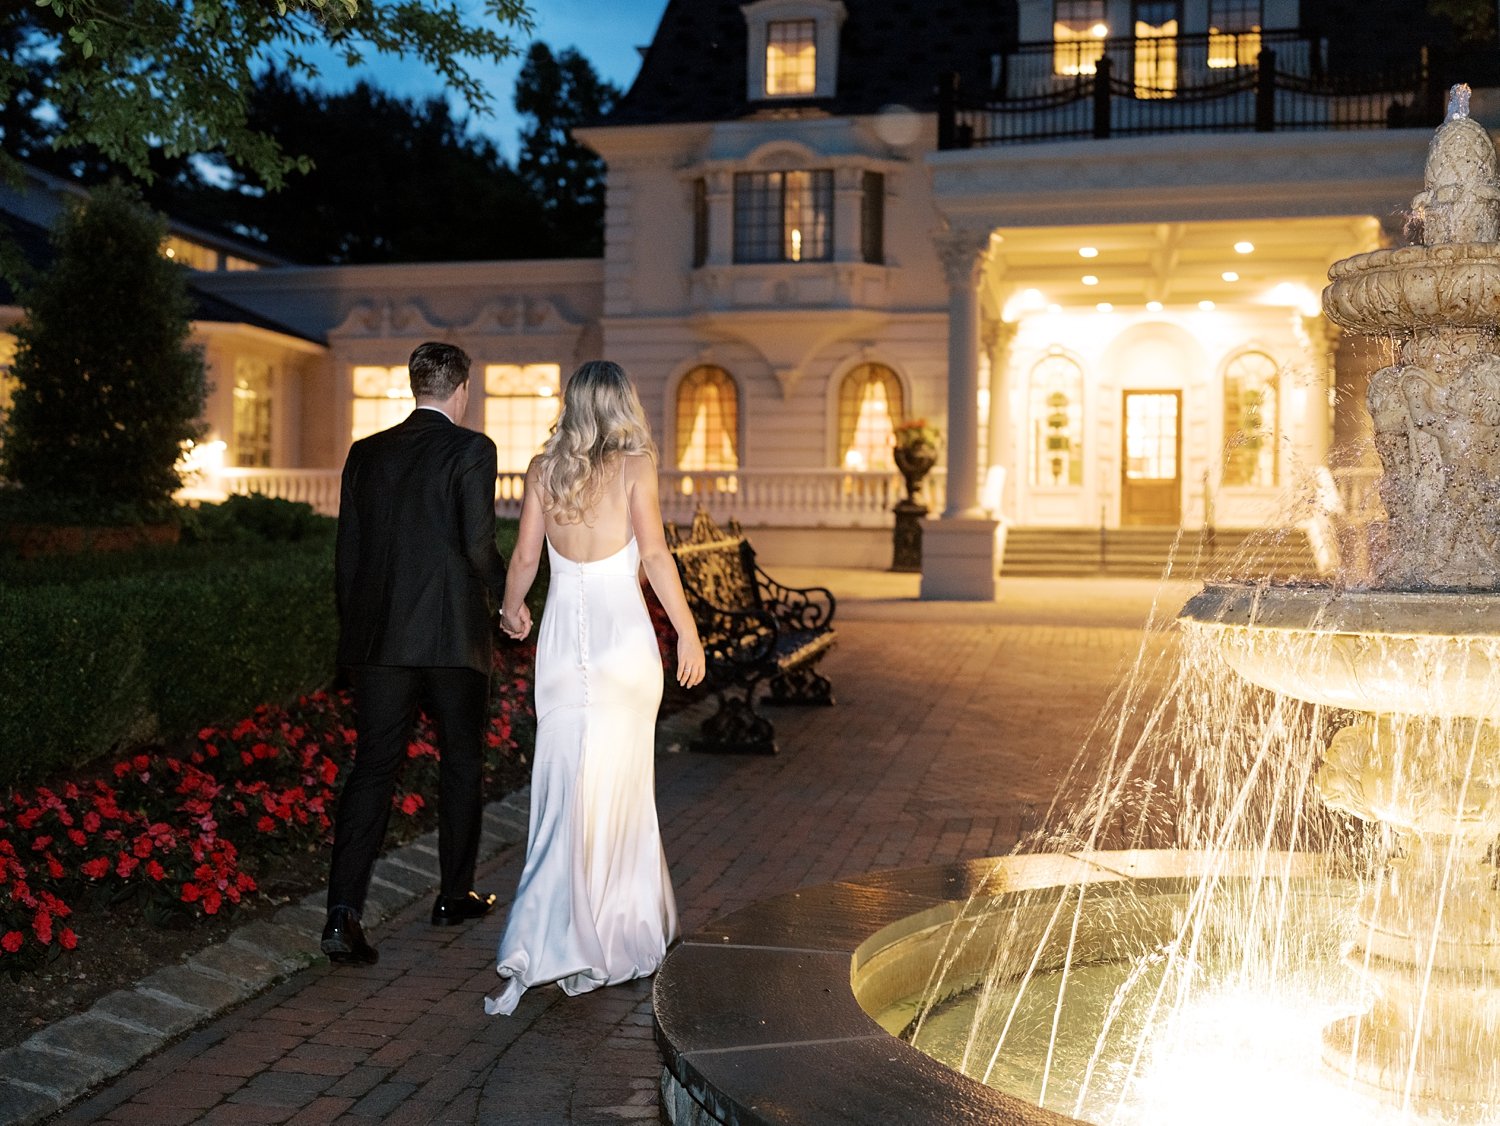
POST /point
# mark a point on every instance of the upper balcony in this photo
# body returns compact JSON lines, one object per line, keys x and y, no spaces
{"x":1264,"y":81}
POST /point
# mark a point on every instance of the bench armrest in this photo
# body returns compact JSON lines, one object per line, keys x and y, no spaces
{"x":795,"y":607}
{"x":733,"y":639}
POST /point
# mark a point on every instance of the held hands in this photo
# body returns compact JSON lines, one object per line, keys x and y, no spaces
{"x":690,"y":662}
{"x":517,"y":625}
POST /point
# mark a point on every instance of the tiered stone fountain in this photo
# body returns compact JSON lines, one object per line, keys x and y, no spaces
{"x":1415,"y":652}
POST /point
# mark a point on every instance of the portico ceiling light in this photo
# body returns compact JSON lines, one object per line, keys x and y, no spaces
{"x":1088,"y":252}
{"x":1090,"y":279}
{"x":1153,"y":306}
{"x":1230,"y":276}
{"x":1100,"y":30}
{"x":1206,"y":306}
{"x":1105,"y":307}
{"x":1244,"y":247}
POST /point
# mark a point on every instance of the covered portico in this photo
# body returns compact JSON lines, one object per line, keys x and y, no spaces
{"x":1135,"y":335}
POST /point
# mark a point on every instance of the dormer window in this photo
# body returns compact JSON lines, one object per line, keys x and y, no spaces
{"x":791,"y":57}
{"x":1078,"y":35}
{"x":793,"y":48}
{"x":1233,"y":32}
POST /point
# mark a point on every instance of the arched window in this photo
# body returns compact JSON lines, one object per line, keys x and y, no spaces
{"x":1251,"y":384}
{"x":708,"y":414}
{"x":1056,"y":422}
{"x":870,"y":406}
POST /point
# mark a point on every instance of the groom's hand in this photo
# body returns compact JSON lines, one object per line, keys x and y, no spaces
{"x":516,"y":626}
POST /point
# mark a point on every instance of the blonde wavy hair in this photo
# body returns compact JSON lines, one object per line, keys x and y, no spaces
{"x":601,"y":422}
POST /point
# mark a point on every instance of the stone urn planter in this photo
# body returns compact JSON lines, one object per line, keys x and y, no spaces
{"x":915,"y":460}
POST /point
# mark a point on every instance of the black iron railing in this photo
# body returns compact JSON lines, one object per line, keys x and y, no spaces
{"x":1187,"y":84}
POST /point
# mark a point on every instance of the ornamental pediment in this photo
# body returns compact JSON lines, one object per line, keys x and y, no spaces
{"x":530,"y":315}
{"x":375,"y":319}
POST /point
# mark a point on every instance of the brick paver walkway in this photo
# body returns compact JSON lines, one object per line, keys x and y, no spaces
{"x":952,"y":727}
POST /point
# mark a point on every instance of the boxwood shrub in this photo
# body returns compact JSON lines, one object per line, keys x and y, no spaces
{"x":97,"y":663}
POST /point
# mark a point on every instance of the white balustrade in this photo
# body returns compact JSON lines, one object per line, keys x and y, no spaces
{"x":1358,"y":489}
{"x":317,"y":487}
{"x":794,"y":498}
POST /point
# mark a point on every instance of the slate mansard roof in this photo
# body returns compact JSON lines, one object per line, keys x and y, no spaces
{"x":891,"y":52}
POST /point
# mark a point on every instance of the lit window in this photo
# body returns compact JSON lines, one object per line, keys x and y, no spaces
{"x":382,"y":398}
{"x":233,"y":263}
{"x":791,"y":57}
{"x":193,"y":255}
{"x":783,"y":216}
{"x":520,"y":405}
{"x":1078,"y":34}
{"x":251,"y":423}
{"x":707,"y":420}
{"x":872,"y":219}
{"x":1056,"y":422}
{"x":1233,"y":32}
{"x":1156,"y":25}
{"x":1250,"y":391}
{"x":870,"y":405}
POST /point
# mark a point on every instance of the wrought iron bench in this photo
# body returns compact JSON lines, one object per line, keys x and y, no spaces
{"x":755,"y":631}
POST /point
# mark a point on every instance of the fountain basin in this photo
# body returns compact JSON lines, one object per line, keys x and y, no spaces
{"x":764,"y":1015}
{"x":1411,"y":653}
{"x":1416,"y":287}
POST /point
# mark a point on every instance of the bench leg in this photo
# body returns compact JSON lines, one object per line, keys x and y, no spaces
{"x":736,"y":728}
{"x":804,"y":686}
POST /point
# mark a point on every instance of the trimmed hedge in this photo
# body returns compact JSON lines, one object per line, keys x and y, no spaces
{"x":91,"y":665}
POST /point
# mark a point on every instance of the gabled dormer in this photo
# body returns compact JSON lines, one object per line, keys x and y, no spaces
{"x":793,"y":49}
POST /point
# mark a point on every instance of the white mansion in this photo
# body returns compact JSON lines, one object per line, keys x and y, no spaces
{"x":1084,"y":238}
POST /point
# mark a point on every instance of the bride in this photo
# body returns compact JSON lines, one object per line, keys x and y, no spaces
{"x":595,"y":904}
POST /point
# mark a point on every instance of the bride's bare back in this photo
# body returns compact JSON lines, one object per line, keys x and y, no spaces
{"x":606,"y":526}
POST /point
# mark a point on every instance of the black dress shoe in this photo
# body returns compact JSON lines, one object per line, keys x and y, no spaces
{"x":449,"y":911}
{"x":344,"y":941}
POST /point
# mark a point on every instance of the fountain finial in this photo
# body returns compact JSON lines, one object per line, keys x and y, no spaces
{"x":1458,"y":101}
{"x":1462,"y":201}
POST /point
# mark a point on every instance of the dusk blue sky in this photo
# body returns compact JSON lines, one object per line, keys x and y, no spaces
{"x":606,"y":32}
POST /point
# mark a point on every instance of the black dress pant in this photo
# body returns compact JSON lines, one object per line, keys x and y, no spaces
{"x":386,"y":699}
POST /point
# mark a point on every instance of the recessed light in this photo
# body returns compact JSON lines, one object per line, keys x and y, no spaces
{"x":1206,"y":306}
{"x":1090,"y":279}
{"x":1153,"y":306}
{"x":1230,"y":276}
{"x":1105,"y":307}
{"x":1088,"y":252}
{"x":1243,"y":247}
{"x":1054,"y":308}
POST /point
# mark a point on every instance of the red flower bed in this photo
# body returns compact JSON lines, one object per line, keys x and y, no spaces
{"x":170,"y":828}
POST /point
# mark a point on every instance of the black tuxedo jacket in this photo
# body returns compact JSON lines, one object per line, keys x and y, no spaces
{"x":415,"y":566}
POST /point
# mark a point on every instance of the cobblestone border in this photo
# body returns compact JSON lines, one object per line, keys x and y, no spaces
{"x":71,"y":1057}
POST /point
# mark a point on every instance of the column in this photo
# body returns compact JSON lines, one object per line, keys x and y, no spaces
{"x":1322,"y":338}
{"x":959,"y":549}
{"x":999,"y":335}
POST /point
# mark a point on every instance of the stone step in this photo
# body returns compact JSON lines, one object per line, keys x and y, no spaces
{"x":1281,"y":553}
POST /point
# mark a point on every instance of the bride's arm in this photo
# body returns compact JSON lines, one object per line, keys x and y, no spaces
{"x":661,"y":569}
{"x":515,"y":618}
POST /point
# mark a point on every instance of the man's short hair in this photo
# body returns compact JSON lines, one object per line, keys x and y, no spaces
{"x":438,"y":370}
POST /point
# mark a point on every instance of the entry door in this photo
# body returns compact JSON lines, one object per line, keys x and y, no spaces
{"x":1151,"y":466}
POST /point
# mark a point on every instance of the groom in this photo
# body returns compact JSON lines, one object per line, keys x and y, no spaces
{"x":417,"y":573}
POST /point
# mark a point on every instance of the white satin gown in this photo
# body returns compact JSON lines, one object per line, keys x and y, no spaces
{"x":595,"y":904}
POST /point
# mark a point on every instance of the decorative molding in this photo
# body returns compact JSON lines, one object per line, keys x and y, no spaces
{"x":962,"y":250}
{"x":530,"y":315}
{"x":375,"y":319}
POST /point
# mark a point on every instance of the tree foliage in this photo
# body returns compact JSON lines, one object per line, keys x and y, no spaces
{"x":558,"y":93}
{"x":107,"y":385}
{"x":130,"y":79}
{"x":392,"y":180}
